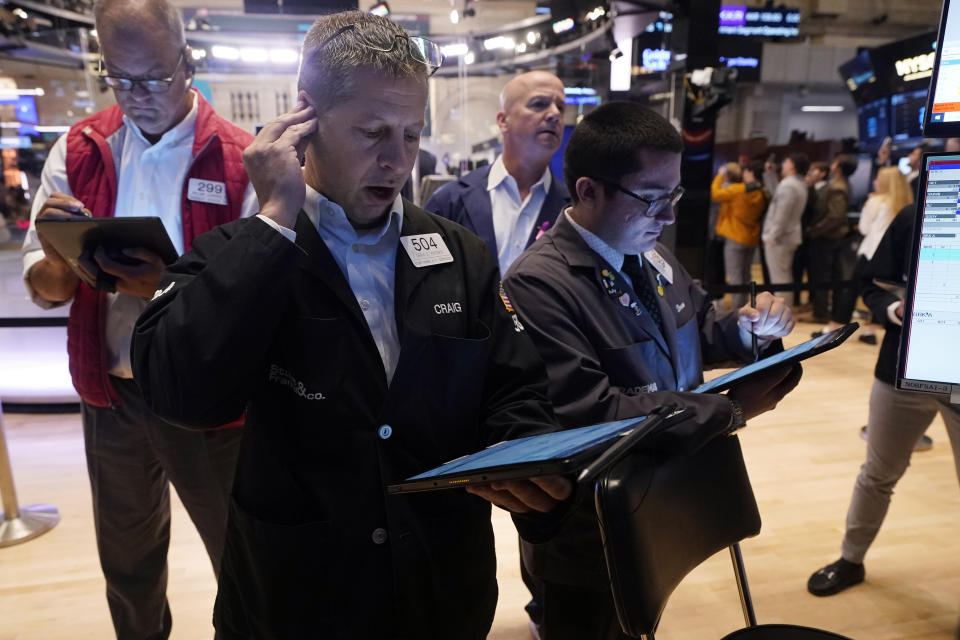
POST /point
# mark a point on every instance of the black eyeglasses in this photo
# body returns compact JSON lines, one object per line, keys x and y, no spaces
{"x":420,"y":49}
{"x":153,"y":85}
{"x":654,"y":207}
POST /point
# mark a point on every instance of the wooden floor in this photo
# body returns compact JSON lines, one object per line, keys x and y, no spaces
{"x":802,"y":458}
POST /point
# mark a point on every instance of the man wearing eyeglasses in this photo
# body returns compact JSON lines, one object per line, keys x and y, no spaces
{"x":622,"y":329}
{"x":161,"y":151}
{"x":368,"y":342}
{"x":513,"y":201}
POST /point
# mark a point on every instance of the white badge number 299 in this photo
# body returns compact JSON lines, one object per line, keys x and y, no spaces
{"x":426,"y":249}
{"x":210,"y":191}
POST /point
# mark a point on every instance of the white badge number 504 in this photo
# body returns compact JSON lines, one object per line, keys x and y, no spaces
{"x":426,"y":249}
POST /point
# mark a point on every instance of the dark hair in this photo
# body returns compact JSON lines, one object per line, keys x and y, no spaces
{"x":800,"y":162}
{"x":847,"y":164}
{"x":606,"y":142}
{"x":822,"y":167}
{"x":756,"y":168}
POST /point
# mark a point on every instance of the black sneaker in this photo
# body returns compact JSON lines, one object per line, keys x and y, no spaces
{"x":835,"y":577}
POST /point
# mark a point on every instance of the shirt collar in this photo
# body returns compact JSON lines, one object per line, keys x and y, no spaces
{"x":319,"y":209}
{"x":613,"y":257}
{"x":498,"y":173}
{"x":178,"y":135}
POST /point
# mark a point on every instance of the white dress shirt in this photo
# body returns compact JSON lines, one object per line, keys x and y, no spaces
{"x":148,"y":184}
{"x":513,"y":218}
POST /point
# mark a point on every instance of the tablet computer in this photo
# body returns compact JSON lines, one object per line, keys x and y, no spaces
{"x":559,"y":452}
{"x":73,"y":236}
{"x":795,"y":354}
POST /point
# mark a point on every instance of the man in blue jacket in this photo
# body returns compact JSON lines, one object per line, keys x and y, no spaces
{"x":510,"y":203}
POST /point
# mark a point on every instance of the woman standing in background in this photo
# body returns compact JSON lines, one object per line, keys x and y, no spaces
{"x":891,"y":193}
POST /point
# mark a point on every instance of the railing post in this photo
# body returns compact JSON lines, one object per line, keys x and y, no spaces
{"x":19,"y":524}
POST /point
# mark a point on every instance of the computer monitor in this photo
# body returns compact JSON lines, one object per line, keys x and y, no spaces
{"x":874,"y":122}
{"x":942,"y":117}
{"x":907,"y":111}
{"x":931,"y":326}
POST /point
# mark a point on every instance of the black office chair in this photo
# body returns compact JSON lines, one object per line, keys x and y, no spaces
{"x":661,"y":516}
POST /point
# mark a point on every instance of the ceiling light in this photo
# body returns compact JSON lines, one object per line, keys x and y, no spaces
{"x":596,"y":14}
{"x":254,"y":54}
{"x":224,"y":53}
{"x":532,"y":37}
{"x":284,"y":56}
{"x":469,"y":58}
{"x":454,"y":50}
{"x":454,"y":16}
{"x":198,"y":54}
{"x":499,"y":42}
{"x":824,"y":108}
{"x":563,"y":25}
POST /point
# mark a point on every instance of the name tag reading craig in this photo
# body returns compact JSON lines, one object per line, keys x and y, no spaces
{"x":426,"y":250}
{"x":209,"y":191}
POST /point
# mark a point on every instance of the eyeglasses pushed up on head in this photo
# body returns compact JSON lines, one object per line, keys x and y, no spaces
{"x":420,"y":49}
{"x":655,"y":206}
{"x":153,"y":85}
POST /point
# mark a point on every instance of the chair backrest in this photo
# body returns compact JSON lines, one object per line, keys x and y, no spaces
{"x":662,"y":516}
{"x":430,"y":183}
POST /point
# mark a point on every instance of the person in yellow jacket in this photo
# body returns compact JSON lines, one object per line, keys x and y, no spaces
{"x":742,"y":201}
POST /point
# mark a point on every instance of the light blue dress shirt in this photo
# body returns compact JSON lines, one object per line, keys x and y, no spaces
{"x":367,"y":259}
{"x":613,"y":257}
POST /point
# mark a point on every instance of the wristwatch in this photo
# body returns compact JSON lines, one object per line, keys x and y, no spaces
{"x":737,"y":419}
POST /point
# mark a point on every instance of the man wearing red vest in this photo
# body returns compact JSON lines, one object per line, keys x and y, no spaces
{"x":160,"y":151}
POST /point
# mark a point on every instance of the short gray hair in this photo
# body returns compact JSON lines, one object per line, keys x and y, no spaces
{"x":109,"y":11}
{"x":327,"y":65}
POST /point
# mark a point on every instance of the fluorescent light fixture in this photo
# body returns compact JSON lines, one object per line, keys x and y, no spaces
{"x":499,"y":42}
{"x":469,"y":58}
{"x":10,"y":125}
{"x":563,"y":25}
{"x":454,"y":16}
{"x":822,"y":108}
{"x":224,"y":53}
{"x":52,"y":128}
{"x":596,"y":14}
{"x":580,"y":91}
{"x":454,"y":50}
{"x":6,"y":93}
{"x":254,"y":54}
{"x":284,"y":56}
{"x":381,"y":9}
{"x":532,"y":37}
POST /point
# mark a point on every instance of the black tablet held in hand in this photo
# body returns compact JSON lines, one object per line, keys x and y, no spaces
{"x":72,"y":237}
{"x":800,"y":352}
{"x":560,"y":452}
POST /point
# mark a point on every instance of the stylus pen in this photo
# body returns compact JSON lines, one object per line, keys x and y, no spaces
{"x":621,"y":447}
{"x":753,"y":333}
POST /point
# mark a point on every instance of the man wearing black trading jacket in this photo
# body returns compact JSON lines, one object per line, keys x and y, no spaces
{"x":366,"y":341}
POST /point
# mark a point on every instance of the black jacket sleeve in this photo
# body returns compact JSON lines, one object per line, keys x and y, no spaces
{"x":581,"y":391}
{"x":199,"y":343}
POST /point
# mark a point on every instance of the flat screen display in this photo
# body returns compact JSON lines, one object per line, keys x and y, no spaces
{"x":943,"y":108}
{"x":931,"y":333}
{"x":873,"y":119}
{"x":860,"y":78}
{"x":907,"y":114}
